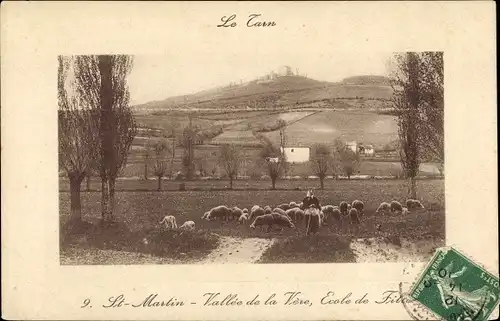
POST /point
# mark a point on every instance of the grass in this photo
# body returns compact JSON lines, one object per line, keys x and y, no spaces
{"x":309,"y":249}
{"x":117,"y":236}
{"x":140,"y":212}
{"x":324,"y":127}
{"x":288,"y":91}
{"x":216,"y":186}
{"x":143,"y":210}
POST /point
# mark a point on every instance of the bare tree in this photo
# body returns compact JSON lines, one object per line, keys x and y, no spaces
{"x":91,"y":172}
{"x":350,"y":162}
{"x":230,"y":157}
{"x":431,"y":109}
{"x":338,"y":148}
{"x":78,"y":128}
{"x":406,"y":101}
{"x":188,"y":160}
{"x":104,"y":88}
{"x":147,"y":154}
{"x":173,"y":145}
{"x":321,"y":162}
{"x":283,"y":142}
{"x":275,"y":160}
{"x":345,"y":158}
{"x":163,"y":155}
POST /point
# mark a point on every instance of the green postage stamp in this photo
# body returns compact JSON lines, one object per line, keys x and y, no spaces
{"x":455,"y":288}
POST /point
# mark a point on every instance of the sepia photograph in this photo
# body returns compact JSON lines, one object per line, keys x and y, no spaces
{"x":241,"y":158}
{"x":249,"y":160}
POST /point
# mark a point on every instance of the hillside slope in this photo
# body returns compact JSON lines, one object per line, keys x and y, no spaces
{"x":283,"y":91}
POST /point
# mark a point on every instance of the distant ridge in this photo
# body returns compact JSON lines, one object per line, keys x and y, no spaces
{"x":367,"y":80}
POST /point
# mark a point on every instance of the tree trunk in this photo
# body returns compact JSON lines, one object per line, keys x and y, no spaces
{"x":159,"y":183}
{"x":106,"y":131}
{"x":231,"y":182}
{"x":76,"y":205}
{"x":88,"y":182}
{"x":146,"y":172}
{"x":111,"y":205}
{"x":104,"y":198}
{"x":412,"y":188}
{"x":273,"y":180}
{"x":321,"y":181}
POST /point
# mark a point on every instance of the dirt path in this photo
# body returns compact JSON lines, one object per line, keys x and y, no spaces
{"x":238,"y":250}
{"x":377,"y":250}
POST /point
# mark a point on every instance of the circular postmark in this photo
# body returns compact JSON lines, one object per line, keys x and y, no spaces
{"x":444,"y":290}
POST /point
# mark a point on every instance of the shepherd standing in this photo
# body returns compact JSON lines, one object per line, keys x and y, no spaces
{"x":312,"y":208}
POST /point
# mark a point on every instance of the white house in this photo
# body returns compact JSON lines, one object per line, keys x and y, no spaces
{"x":352,"y":146}
{"x":296,"y":154}
{"x":367,"y":150}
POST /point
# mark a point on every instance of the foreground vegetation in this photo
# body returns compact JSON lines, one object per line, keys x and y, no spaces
{"x":140,"y":213}
{"x":117,"y":236}
{"x":309,"y":249}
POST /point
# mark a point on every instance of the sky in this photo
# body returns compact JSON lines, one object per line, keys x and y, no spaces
{"x":157,"y":77}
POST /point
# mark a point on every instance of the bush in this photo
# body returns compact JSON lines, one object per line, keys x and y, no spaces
{"x":309,"y":249}
{"x":117,"y":236}
{"x":180,"y":243}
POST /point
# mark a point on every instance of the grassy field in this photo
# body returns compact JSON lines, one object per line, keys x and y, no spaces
{"x":141,"y":185}
{"x":141,"y":212}
{"x":323,"y":127}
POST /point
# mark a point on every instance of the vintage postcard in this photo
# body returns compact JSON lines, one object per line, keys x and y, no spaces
{"x":249,"y":161}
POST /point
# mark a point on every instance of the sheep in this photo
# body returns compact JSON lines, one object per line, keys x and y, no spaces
{"x":354,"y":215}
{"x":267,"y":209}
{"x":383,"y":208}
{"x":301,"y":205}
{"x":243,"y":218}
{"x":343,"y":207}
{"x":205,"y":215}
{"x":245,"y":210}
{"x":328,"y":211}
{"x":279,"y":210}
{"x":252,"y":210}
{"x":321,"y":217}
{"x":405,"y":211}
{"x":293,"y":204}
{"x":220,"y":212}
{"x":284,"y":206}
{"x":414,"y":204}
{"x":236,"y":212}
{"x":188,"y":225}
{"x":396,"y":207}
{"x":169,"y":221}
{"x":272,"y":219}
{"x":312,"y":220}
{"x":295,"y":214}
{"x":256,"y":212}
{"x":357,"y":204}
{"x":335,"y":213}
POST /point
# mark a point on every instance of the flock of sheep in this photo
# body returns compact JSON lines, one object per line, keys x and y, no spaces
{"x":290,"y":214}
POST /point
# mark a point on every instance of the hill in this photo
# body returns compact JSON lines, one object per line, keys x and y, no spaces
{"x":283,"y":91}
{"x":367,"y":80}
